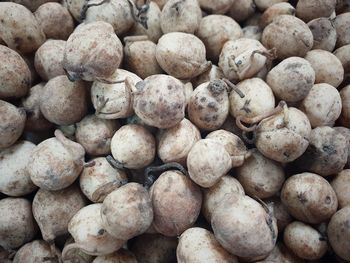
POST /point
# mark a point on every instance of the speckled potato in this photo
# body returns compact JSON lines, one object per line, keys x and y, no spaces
{"x":265,"y":4}
{"x":211,"y":74}
{"x":199,"y":245}
{"x":328,"y":68}
{"x":160,"y":101}
{"x":34,"y":252}
{"x":15,"y":180}
{"x":64,"y":102}
{"x":322,"y":105}
{"x":311,"y":9}
{"x":343,"y":54}
{"x":122,"y":256}
{"x":338,"y":233}
{"x":209,"y":105}
{"x":324,"y":33}
{"x":176,"y":202}
{"x":115,"y":12}
{"x":17,"y":225}
{"x":55,"y":20}
{"x":19,"y":29}
{"x":15,"y":76}
{"x":214,"y":195}
{"x":154,"y":248}
{"x":48,"y":59}
{"x":92,"y":52}
{"x":53,"y":210}
{"x":260,"y":176}
{"x":309,"y":198}
{"x":344,"y":118}
{"x":289,"y":35}
{"x":175,"y":143}
{"x":239,"y":215}
{"x":327,"y":153}
{"x":180,"y":62}
{"x":58,"y":158}
{"x":133,"y":146}
{"x":283,"y":137}
{"x":127,"y":211}
{"x":240,"y":10}
{"x":340,"y":185}
{"x":341,"y":24}
{"x":280,"y":212}
{"x":292,"y":79}
{"x":214,"y":31}
{"x":95,"y":134}
{"x":274,"y":11}
{"x":207,"y":162}
{"x":89,"y":233}
{"x":12,"y":121}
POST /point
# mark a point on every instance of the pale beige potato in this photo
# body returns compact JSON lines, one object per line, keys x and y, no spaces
{"x":15,"y":76}
{"x":343,"y":54}
{"x":216,"y":7}
{"x":344,"y":118}
{"x":19,"y":29}
{"x":340,"y":184}
{"x":342,"y":26}
{"x":262,"y":5}
{"x":274,"y":11}
{"x":309,"y":198}
{"x":55,"y":20}
{"x":324,"y":32}
{"x":280,"y":212}
{"x":311,"y":9}
{"x":121,"y":256}
{"x":34,"y":252}
{"x":240,"y":10}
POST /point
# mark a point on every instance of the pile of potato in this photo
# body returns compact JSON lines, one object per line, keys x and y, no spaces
{"x":159,"y":131}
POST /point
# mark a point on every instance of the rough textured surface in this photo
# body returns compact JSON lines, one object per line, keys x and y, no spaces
{"x":311,"y":9}
{"x":324,"y":32}
{"x":274,"y":11}
{"x":217,"y":7}
{"x":33,"y":252}
{"x":341,"y":184}
{"x":343,"y":29}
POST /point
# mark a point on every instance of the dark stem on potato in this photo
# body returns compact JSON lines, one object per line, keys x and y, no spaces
{"x":233,"y":87}
{"x":139,"y":14}
{"x":106,"y":189}
{"x":69,"y":76}
{"x":114,"y":163}
{"x":86,"y":7}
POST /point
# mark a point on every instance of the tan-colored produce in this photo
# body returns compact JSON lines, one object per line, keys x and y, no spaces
{"x":274,"y":11}
{"x":34,"y":252}
{"x":341,"y":184}
{"x":325,"y":35}
{"x":311,"y":9}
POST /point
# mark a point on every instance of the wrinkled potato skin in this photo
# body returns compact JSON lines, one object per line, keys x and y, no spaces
{"x":345,"y":112}
{"x":325,"y":35}
{"x":12,"y":121}
{"x":17,"y":225}
{"x":274,"y":11}
{"x":19,"y":29}
{"x":48,"y":59}
{"x":341,"y":184}
{"x":311,"y":9}
{"x":64,"y":102}
{"x":15,"y":77}
{"x":309,"y":198}
{"x":34,"y":252}
{"x":198,"y":245}
{"x":343,"y":29}
{"x":55,"y":20}
{"x":280,"y":212}
{"x":289,"y":35}
{"x":121,"y":256}
{"x":176,"y":202}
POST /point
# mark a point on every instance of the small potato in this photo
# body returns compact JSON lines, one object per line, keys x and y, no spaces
{"x":326,"y":154}
{"x":274,"y":11}
{"x":180,"y":62}
{"x":180,"y":16}
{"x":214,"y":195}
{"x":311,"y":9}
{"x":265,"y":4}
{"x":19,"y":29}
{"x":176,"y":202}
{"x":328,"y":68}
{"x":64,"y":102}
{"x":253,"y":32}
{"x":324,"y":32}
{"x":175,"y":143}
{"x":338,"y":233}
{"x":280,"y":212}
{"x":292,"y":79}
{"x":15,"y":76}
{"x":198,"y":245}
{"x":309,"y":198}
{"x":133,"y":146}
{"x":322,"y":105}
{"x":34,"y":252}
{"x":342,"y":26}
{"x":12,"y":121}
{"x":214,"y":31}
{"x":95,"y":134}
{"x":207,"y":162}
{"x":122,"y":256}
{"x":344,"y":118}
{"x":341,"y":184}
{"x":260,"y":176}
{"x":217,"y":7}
{"x":48,"y":59}
{"x":305,"y":241}
{"x":240,"y":10}
{"x":343,"y":54}
{"x":17,"y":224}
{"x":289,"y":35}
{"x":14,"y":180}
{"x":55,"y":20}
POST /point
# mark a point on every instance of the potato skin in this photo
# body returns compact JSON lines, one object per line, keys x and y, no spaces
{"x":344,"y":118}
{"x":341,"y":184}
{"x":15,"y":77}
{"x":198,"y":245}
{"x":33,"y":5}
{"x":309,"y":198}
{"x":324,"y":32}
{"x":19,"y":29}
{"x":33,"y":252}
{"x":282,"y":254}
{"x":122,"y":255}
{"x":311,"y":9}
{"x":343,"y":29}
{"x":274,"y":11}
{"x":280,"y":212}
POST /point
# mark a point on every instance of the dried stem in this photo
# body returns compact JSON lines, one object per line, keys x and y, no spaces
{"x":139,"y":14}
{"x":114,"y":163}
{"x":106,"y":189}
{"x":233,"y":87}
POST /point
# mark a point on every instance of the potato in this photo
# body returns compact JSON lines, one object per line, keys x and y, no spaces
{"x":214,"y":31}
{"x":343,"y":54}
{"x":322,"y":105}
{"x":325,"y":35}
{"x":19,"y":29}
{"x":338,"y":233}
{"x":309,"y":198}
{"x":280,"y":212}
{"x":341,"y":23}
{"x":326,"y":154}
{"x":346,"y":133}
{"x":265,"y":4}
{"x":344,"y":118}
{"x":328,"y":68}
{"x":289,"y":35}
{"x":311,"y":9}
{"x":12,"y":121}
{"x":240,"y":10}
{"x":217,"y":7}
{"x":17,"y":225}
{"x":34,"y":252}
{"x":122,"y":255}
{"x":340,"y":185}
{"x":55,"y":20}
{"x":274,"y":11}
{"x":239,"y":215}
{"x":199,"y":245}
{"x":15,"y":76}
